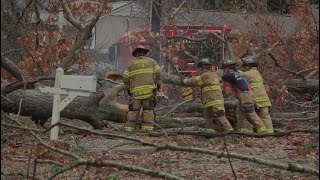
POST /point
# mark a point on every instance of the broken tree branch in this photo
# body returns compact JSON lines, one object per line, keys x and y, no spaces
{"x":264,"y":52}
{"x":231,"y":166}
{"x":307,"y":70}
{"x":131,"y":168}
{"x":283,"y":68}
{"x":285,"y":166}
{"x":208,"y":133}
{"x":177,"y":10}
{"x":86,"y":34}
{"x":69,"y":16}
{"x":13,"y":69}
{"x":314,"y":72}
{"x":230,"y":50}
{"x":194,"y":58}
{"x":158,"y":147}
{"x":53,"y":149}
{"x":227,"y":43}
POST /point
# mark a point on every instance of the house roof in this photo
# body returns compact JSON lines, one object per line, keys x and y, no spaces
{"x":128,"y":9}
{"x":122,"y":8}
{"x":239,"y":21}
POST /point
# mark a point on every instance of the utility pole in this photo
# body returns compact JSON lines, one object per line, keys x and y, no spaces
{"x":155,"y":26}
{"x":155,"y":15}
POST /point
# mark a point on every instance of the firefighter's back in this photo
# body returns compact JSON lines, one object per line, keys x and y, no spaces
{"x":256,"y":82}
{"x":142,"y":80}
{"x":211,"y":89}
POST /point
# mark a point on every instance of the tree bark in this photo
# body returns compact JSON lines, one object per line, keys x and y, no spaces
{"x":13,"y":69}
{"x":303,"y":85}
{"x":39,"y":106}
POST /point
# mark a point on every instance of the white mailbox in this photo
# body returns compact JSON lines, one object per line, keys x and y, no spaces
{"x":85,"y":83}
{"x":69,"y":85}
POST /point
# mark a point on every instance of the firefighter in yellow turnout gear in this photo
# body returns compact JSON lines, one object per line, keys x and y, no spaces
{"x":141,"y":79}
{"x":245,"y":111}
{"x":262,"y":102}
{"x":211,"y":96}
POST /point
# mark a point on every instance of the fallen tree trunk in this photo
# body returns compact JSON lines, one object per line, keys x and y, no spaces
{"x":94,"y":109}
{"x":278,"y":122}
{"x":39,"y":106}
{"x":89,"y":109}
{"x":304,"y":85}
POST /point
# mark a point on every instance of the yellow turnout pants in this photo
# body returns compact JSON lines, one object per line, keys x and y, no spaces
{"x":263,"y":113}
{"x":247,"y":118}
{"x":148,"y":115}
{"x":216,"y":119}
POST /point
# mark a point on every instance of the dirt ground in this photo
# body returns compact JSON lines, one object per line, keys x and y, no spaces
{"x":302,"y":148}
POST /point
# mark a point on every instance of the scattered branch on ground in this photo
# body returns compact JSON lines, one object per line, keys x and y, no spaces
{"x":99,"y":163}
{"x":211,"y":134}
{"x":226,"y":148}
{"x":284,"y":166}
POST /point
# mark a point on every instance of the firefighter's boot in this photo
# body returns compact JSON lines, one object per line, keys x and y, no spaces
{"x":254,"y":119}
{"x":242,"y":123}
{"x":247,"y":107}
{"x":132,"y":118}
{"x":224,"y":122}
{"x":263,"y":113}
{"x":148,"y":120}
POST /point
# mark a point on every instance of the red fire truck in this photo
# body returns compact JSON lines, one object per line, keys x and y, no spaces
{"x":195,"y":40}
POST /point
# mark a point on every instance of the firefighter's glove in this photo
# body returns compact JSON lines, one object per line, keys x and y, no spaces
{"x":182,"y":80}
{"x":129,"y":93}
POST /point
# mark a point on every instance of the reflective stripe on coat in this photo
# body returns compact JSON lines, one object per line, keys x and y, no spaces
{"x":211,"y":92}
{"x":256,"y":83}
{"x":141,"y":77}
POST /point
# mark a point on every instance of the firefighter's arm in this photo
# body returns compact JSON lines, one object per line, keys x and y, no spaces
{"x":196,"y":80}
{"x":126,"y":79}
{"x":244,"y":73}
{"x":227,"y":89}
{"x":157,"y":71}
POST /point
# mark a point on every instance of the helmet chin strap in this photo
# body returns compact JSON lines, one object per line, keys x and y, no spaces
{"x":141,"y":54}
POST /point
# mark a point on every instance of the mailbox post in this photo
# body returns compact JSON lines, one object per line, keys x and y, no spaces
{"x":69,"y":85}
